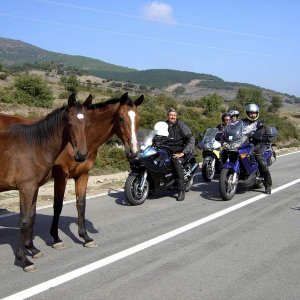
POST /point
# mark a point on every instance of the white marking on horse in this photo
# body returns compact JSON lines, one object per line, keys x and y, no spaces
{"x":131,"y":114}
{"x":80,"y":116}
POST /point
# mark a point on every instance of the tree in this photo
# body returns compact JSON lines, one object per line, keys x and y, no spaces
{"x":32,"y":90}
{"x":70,"y":83}
{"x":250,"y":95}
{"x":212,"y":104}
{"x":276,"y":103}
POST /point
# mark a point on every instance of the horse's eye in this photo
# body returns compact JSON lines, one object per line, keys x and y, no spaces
{"x":121,"y":120}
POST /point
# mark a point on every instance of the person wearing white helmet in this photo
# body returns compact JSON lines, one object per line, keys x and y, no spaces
{"x":256,"y":128}
{"x":234,"y":115}
{"x":182,"y":143}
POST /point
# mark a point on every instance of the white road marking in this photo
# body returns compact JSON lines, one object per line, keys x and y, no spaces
{"x":42,"y":287}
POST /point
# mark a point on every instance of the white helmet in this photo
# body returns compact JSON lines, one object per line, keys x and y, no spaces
{"x":161,"y":128}
{"x":252,"y":108}
{"x":234,"y":112}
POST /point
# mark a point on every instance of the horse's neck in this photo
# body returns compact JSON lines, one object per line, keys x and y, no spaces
{"x":55,"y":145}
{"x":102,"y":127}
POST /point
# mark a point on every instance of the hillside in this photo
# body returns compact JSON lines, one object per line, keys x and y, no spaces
{"x":18,"y":53}
{"x":180,"y":84}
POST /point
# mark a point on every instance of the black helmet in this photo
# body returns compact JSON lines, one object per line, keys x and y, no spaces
{"x":252,"y":108}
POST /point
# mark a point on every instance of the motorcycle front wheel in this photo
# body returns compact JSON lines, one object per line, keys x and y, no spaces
{"x":133,"y":193}
{"x":208,"y":172}
{"x":226,"y":185}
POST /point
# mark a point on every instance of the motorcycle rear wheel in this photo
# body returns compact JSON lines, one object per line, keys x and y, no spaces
{"x":133,"y":194}
{"x":226,"y":186}
{"x":208,"y":172}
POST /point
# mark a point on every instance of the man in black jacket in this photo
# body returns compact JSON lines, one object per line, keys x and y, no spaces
{"x":182,"y":142}
{"x":256,"y":129}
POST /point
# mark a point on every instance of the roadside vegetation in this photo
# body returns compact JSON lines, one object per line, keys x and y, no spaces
{"x":30,"y":90}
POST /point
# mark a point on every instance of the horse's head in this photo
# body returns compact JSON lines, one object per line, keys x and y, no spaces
{"x":78,"y":121}
{"x":127,"y":122}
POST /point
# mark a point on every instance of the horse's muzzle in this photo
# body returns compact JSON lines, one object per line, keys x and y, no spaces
{"x":130,"y":153}
{"x":80,"y":157}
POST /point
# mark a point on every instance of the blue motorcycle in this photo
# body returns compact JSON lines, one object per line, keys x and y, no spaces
{"x":152,"y":170}
{"x":239,"y":166}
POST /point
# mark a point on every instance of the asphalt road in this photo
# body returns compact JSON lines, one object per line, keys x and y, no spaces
{"x":201,"y":248}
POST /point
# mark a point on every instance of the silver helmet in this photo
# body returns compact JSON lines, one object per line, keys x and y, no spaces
{"x":234,"y":112}
{"x":252,"y":108}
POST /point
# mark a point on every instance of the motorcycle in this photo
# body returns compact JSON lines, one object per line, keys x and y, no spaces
{"x":153,"y":170}
{"x":211,"y":153}
{"x":239,"y":164}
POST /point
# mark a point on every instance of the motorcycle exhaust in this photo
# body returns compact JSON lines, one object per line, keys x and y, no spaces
{"x":192,"y":171}
{"x":194,"y":168}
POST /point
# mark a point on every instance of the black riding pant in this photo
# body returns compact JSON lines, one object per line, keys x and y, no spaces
{"x":178,"y":168}
{"x":262,"y":166}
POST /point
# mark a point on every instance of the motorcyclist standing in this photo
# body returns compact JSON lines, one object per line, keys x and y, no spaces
{"x":255,"y":128}
{"x":182,"y":142}
{"x":225,"y":120}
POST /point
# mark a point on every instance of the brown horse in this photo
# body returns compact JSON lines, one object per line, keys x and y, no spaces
{"x":116,"y":116}
{"x":27,"y":156}
{"x":6,"y":120}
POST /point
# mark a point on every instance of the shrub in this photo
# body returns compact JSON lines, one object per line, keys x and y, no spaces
{"x":110,"y":158}
{"x":32,"y":90}
{"x":70,"y":83}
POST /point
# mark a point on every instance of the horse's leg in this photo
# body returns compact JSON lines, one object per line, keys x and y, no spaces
{"x":80,"y":187}
{"x":60,"y":183}
{"x":26,"y":198}
{"x":35,"y":253}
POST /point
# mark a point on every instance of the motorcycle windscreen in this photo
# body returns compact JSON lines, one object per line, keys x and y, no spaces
{"x":233,"y":131}
{"x":145,"y":137}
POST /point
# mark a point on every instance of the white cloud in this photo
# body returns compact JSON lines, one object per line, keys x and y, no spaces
{"x":158,"y":11}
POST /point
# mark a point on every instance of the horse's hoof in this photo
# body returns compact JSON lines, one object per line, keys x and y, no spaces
{"x":59,"y":246}
{"x":38,"y":255}
{"x":30,"y":269}
{"x":91,"y":244}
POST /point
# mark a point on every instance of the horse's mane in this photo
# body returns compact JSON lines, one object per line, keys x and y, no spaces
{"x":41,"y":131}
{"x":109,"y":102}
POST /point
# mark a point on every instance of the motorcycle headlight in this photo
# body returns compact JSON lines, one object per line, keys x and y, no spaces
{"x":209,"y":145}
{"x":216,"y":144}
{"x":231,"y":146}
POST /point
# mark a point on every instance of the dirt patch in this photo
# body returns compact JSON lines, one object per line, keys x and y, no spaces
{"x":9,"y":201}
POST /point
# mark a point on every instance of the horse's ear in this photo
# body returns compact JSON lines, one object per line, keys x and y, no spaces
{"x":72,"y":100}
{"x":88,"y":101}
{"x":139,"y":101}
{"x":124,"y":98}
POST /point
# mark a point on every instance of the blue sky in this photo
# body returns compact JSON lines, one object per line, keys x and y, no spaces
{"x":250,"y":41}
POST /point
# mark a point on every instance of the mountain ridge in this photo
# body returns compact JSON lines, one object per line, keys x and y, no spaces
{"x":17,"y":53}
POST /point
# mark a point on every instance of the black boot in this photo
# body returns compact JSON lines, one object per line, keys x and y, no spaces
{"x":181,"y":196}
{"x":268,"y":189}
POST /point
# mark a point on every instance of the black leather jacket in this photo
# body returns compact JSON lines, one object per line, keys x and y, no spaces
{"x":180,"y":138}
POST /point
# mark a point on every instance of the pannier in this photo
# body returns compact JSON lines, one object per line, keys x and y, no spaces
{"x":270,"y":135}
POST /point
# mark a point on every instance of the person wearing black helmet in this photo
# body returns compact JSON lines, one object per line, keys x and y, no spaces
{"x":256,"y":128}
{"x":225,"y":120}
